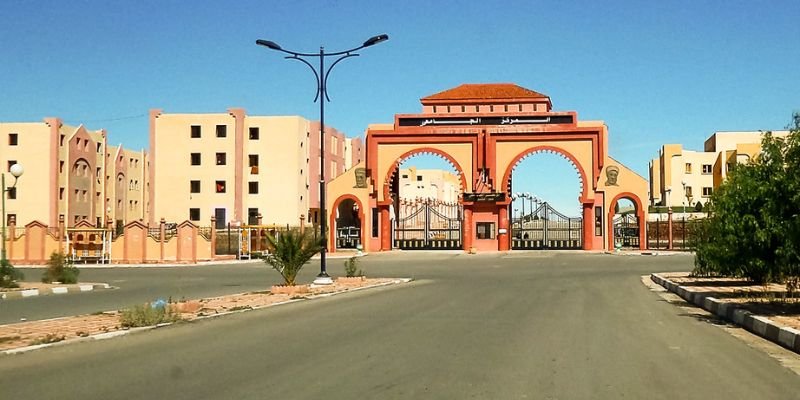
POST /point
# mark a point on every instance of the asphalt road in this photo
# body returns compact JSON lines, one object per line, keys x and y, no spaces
{"x":521,"y":326}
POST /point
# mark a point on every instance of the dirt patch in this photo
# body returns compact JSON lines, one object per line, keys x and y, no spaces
{"x":24,"y":334}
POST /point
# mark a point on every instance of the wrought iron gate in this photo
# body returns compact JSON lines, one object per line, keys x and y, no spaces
{"x":546,"y":228}
{"x":626,"y":230}
{"x":428,"y":225}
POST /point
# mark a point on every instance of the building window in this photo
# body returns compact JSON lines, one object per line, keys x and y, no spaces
{"x":61,"y":193}
{"x":707,"y":191}
{"x":405,"y":176}
{"x":13,"y":139}
{"x":485,"y":230}
{"x":706,"y":169}
{"x":194,"y":186}
{"x":221,"y":158}
{"x":254,"y":133}
{"x":10,"y":218}
{"x":10,"y":163}
{"x":374,"y":222}
{"x":222,"y":130}
{"x":419,"y":178}
{"x":195,"y":131}
{"x":688,"y":168}
{"x":220,"y":186}
{"x":252,"y":216}
{"x":194,"y":214}
{"x":195,"y":158}
{"x":253,"y":163}
{"x":688,"y":193}
{"x":61,"y":142}
{"x":99,"y":147}
{"x":12,"y":193}
{"x":219,"y":215}
{"x":252,"y":187}
{"x":598,"y":221}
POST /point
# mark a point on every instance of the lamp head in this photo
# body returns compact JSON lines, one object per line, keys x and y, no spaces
{"x":268,"y":43}
{"x":16,"y":170}
{"x":376,"y":39}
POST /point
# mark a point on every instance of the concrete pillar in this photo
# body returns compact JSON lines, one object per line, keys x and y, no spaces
{"x":588,"y":226}
{"x":669,"y":229}
{"x":466,"y":228}
{"x":162,"y":234}
{"x":386,"y":229}
{"x":502,"y":225}
{"x":61,"y":234}
{"x":213,"y":236}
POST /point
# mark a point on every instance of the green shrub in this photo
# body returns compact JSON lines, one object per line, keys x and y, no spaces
{"x":290,"y":251}
{"x":60,"y":269}
{"x":148,"y":315}
{"x":351,"y":268}
{"x":9,"y":275}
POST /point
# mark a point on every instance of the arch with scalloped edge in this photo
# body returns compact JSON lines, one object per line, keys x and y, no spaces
{"x":583,"y":194}
{"x":393,"y":170}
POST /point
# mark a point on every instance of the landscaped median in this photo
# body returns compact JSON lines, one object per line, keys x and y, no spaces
{"x":30,"y":289}
{"x":766,"y":310}
{"x":24,"y":336}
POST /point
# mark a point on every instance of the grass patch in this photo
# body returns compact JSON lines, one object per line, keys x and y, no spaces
{"x":49,"y":338}
{"x":148,"y":315}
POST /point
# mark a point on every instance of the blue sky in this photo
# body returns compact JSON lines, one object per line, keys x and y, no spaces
{"x":655,"y":72}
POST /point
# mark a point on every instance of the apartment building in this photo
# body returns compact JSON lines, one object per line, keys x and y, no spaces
{"x":680,"y":177}
{"x":67,"y":174}
{"x":235,"y":167}
{"x":433,"y":184}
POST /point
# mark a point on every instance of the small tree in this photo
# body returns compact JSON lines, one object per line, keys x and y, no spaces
{"x":754,"y":229}
{"x":9,"y":275}
{"x":290,"y":251}
{"x":698,"y":207}
{"x":60,"y":269}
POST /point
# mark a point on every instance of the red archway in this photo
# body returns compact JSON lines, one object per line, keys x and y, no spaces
{"x":583,"y":196}
{"x":584,"y":192}
{"x":639,"y":215}
{"x":332,"y":220}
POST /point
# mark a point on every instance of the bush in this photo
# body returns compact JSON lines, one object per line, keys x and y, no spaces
{"x":60,"y":269}
{"x":753,"y":230}
{"x":9,"y":275}
{"x":351,"y":268}
{"x":290,"y":251}
{"x":148,"y":314}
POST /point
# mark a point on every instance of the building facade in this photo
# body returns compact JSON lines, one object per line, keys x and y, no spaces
{"x":428,"y":184}
{"x":238,"y":168}
{"x":680,"y":177}
{"x":70,"y":175}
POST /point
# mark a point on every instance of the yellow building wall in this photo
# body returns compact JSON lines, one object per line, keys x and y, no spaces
{"x":173,"y":147}
{"x":283,"y":151}
{"x":33,"y":187}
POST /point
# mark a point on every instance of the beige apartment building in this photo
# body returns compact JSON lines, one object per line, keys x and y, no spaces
{"x":681,"y":177}
{"x":235,"y":167}
{"x":69,"y":175}
{"x":433,"y":184}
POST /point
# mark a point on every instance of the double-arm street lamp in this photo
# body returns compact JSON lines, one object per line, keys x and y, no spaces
{"x":322,"y":95}
{"x":16,"y":171}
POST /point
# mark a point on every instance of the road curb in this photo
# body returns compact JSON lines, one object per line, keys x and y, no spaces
{"x":18,"y":294}
{"x":762,"y":326}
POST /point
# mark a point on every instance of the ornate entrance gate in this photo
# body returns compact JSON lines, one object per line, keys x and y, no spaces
{"x":428,"y":225}
{"x":546,"y":228}
{"x":626,"y":230}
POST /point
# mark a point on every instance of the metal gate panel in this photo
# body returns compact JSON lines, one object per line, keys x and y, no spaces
{"x":430,"y":225}
{"x":546,"y":228}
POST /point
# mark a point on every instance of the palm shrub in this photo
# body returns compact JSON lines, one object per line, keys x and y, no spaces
{"x":290,"y":251}
{"x":9,"y":275}
{"x":60,"y":269}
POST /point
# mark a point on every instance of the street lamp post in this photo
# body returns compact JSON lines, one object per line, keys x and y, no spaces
{"x":322,"y":95}
{"x":16,"y":171}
